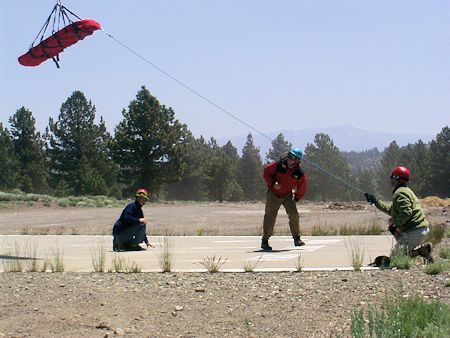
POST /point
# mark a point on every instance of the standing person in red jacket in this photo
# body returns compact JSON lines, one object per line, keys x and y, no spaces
{"x":286,"y":183}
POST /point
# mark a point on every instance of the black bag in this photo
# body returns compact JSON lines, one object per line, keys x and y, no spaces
{"x":382,"y":262}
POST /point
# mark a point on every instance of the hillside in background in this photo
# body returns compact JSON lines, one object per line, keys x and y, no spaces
{"x":346,"y":138}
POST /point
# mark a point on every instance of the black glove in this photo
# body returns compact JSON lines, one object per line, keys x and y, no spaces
{"x":392,"y":229}
{"x":370,"y":198}
{"x":296,"y":199}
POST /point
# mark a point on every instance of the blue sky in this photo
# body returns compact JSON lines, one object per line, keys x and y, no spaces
{"x":383,"y":66}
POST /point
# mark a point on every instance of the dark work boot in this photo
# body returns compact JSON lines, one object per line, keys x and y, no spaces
{"x":133,"y":247}
{"x":425,"y":252}
{"x":115,"y":245}
{"x":265,"y":245}
{"x":298,"y":241}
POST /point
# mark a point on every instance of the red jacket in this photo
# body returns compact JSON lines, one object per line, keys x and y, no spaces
{"x":289,"y":179}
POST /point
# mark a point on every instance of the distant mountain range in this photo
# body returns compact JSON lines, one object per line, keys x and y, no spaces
{"x":346,"y":138}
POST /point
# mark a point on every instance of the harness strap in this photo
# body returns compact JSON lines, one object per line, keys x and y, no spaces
{"x":77,"y":30}
{"x":58,"y":39}
{"x":55,"y":60}
{"x":43,"y":46}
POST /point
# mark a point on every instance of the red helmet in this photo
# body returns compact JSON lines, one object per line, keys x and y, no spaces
{"x":401,"y":174}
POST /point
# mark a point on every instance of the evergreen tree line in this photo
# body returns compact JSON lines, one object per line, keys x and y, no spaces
{"x":150,"y":148}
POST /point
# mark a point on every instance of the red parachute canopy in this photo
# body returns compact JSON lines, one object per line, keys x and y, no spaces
{"x":60,"y":39}
{"x":55,"y":44}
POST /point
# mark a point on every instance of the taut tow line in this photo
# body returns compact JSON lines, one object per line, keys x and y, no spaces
{"x":340,"y":179}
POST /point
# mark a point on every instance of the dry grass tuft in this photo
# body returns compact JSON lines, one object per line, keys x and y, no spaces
{"x":355,"y":250}
{"x":251,"y":264}
{"x":299,"y":263}
{"x":166,"y":258}
{"x":213,"y":264}
{"x":98,"y":257}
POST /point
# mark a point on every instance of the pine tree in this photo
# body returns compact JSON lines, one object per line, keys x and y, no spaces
{"x":149,"y":144}
{"x":366,"y":181}
{"x":28,"y":147}
{"x":440,"y":164}
{"x":9,"y":166}
{"x":193,"y":182}
{"x":217,"y":173}
{"x":234,"y":190}
{"x":79,"y":149}
{"x":416,"y":158}
{"x":323,"y":186}
{"x":280,"y":148}
{"x":389,"y":160}
{"x":250,"y":171}
{"x":363,"y":160}
{"x":221,"y":173}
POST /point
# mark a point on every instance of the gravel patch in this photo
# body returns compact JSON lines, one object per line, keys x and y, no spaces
{"x":284,"y":304}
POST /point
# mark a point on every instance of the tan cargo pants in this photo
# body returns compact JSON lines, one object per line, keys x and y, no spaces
{"x":273,"y":204}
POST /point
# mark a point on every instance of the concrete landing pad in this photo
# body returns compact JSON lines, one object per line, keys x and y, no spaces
{"x":79,"y":252}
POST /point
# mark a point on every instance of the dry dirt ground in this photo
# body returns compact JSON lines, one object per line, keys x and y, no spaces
{"x":308,"y":304}
{"x":193,"y":219}
{"x":303,"y":304}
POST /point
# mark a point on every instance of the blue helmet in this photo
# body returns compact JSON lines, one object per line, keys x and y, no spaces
{"x":295,"y":153}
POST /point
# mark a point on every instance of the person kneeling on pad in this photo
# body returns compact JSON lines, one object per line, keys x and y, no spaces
{"x":130,"y":229}
{"x":408,"y":223}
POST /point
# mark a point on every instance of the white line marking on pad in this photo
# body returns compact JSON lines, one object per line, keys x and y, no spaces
{"x":274,"y":257}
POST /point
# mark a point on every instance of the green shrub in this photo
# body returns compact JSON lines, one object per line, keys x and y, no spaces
{"x":374,"y":229}
{"x":437,"y":233}
{"x":73,"y":200}
{"x":445,"y":252}
{"x":47,"y":200}
{"x":402,"y":317}
{"x":63,"y":202}
{"x":401,"y":261}
{"x":436,"y":267}
{"x":7,"y":197}
{"x":32,"y":197}
{"x":346,"y":230}
{"x":200,"y":231}
{"x":319,"y":230}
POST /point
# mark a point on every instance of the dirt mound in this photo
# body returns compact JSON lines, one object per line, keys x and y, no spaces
{"x":434,"y":201}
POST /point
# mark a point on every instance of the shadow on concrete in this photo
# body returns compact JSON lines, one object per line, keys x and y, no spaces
{"x":18,"y":257}
{"x":273,"y":251}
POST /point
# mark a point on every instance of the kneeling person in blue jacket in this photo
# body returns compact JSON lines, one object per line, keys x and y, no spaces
{"x":130,"y":229}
